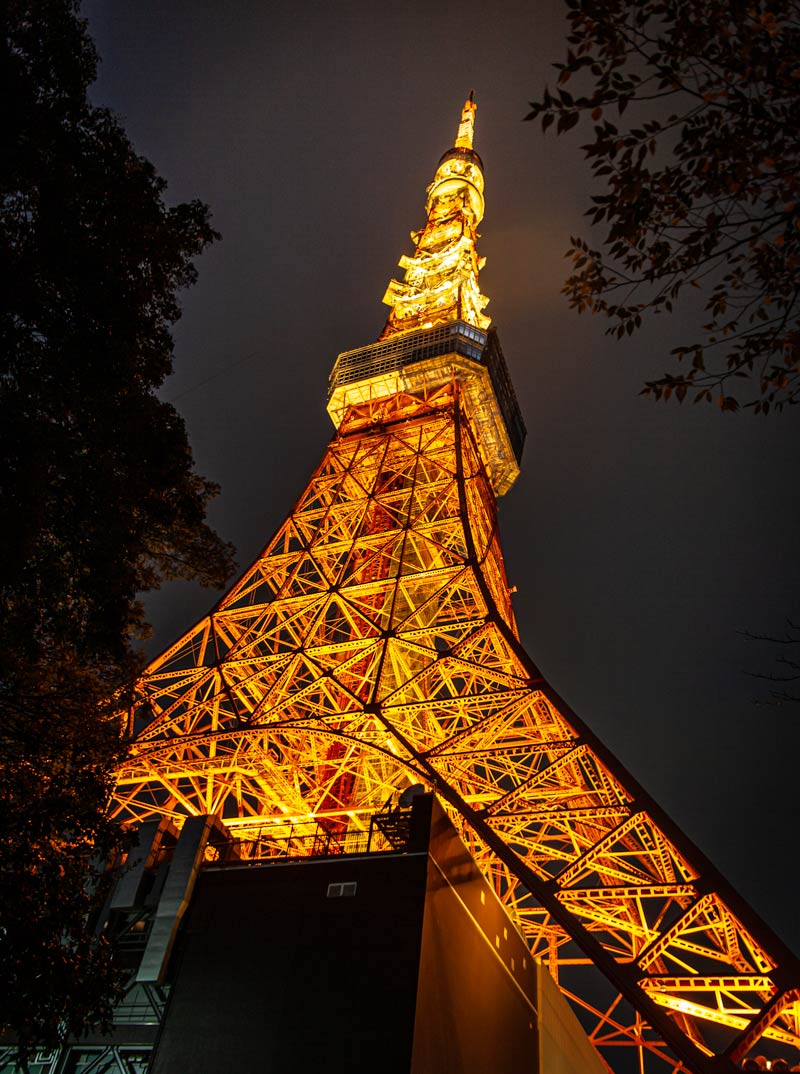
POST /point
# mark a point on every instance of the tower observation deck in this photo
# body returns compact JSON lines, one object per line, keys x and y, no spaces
{"x":436,"y":333}
{"x":372,"y":648}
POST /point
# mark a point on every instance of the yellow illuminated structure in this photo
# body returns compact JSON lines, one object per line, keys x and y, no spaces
{"x":441,"y":279}
{"x":372,"y":646}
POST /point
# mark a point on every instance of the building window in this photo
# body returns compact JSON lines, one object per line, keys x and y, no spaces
{"x":342,"y":890}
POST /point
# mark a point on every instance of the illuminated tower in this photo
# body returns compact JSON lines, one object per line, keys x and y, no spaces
{"x":372,"y":647}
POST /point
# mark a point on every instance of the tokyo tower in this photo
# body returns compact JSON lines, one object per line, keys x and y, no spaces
{"x":372,"y":647}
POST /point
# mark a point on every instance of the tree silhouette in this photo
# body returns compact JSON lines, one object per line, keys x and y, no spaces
{"x":700,"y":183}
{"x":99,"y":499}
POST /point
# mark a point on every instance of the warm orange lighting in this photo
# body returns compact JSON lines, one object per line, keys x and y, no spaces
{"x":373,"y":646}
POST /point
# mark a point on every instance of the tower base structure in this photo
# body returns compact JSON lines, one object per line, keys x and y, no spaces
{"x":392,"y":953}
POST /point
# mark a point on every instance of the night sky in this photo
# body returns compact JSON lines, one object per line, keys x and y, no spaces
{"x":642,"y":538}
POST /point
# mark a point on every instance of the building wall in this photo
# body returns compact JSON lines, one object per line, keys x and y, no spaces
{"x":564,"y":1046}
{"x":271,"y":975}
{"x":476,"y":1002}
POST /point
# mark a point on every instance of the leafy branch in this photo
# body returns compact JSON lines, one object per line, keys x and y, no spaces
{"x":701,"y":189}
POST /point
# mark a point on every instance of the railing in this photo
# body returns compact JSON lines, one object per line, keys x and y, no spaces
{"x":268,"y":848}
{"x":457,"y":337}
{"x":388,"y":831}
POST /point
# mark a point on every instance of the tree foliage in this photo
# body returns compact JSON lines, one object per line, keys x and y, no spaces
{"x":700,"y":181}
{"x":60,"y":740}
{"x":98,"y":496}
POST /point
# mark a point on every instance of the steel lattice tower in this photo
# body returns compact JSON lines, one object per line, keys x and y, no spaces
{"x":372,"y":646}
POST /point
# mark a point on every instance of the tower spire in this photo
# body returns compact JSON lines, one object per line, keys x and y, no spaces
{"x":466,"y":128}
{"x":441,"y":278}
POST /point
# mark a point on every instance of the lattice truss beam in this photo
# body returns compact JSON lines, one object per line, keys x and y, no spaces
{"x":372,"y":645}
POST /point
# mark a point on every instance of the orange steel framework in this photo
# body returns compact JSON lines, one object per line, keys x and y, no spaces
{"x":372,"y":645}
